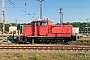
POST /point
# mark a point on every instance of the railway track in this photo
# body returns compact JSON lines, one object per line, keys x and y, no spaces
{"x":27,"y":47}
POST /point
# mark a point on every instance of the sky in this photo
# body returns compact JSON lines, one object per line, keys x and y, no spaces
{"x":25,"y":11}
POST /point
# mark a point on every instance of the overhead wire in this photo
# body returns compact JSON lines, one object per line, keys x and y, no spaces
{"x":11,"y":3}
{"x":52,"y":7}
{"x":14,"y":5}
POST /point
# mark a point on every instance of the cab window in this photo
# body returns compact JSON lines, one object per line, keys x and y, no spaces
{"x":36,"y":23}
{"x":43,"y":24}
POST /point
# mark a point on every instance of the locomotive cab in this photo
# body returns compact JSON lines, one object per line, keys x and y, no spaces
{"x":41,"y":22}
{"x":40,"y":27}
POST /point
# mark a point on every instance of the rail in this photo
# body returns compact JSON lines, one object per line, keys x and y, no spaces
{"x":73,"y":48}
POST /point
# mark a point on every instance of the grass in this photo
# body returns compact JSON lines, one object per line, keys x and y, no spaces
{"x":22,"y":54}
{"x":47,"y":56}
{"x":59,"y":55}
{"x":0,"y":42}
{"x":6,"y":55}
{"x":37,"y":57}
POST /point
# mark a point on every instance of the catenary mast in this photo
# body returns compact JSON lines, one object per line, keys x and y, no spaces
{"x":40,"y":8}
{"x":61,"y":16}
{"x":3,"y":17}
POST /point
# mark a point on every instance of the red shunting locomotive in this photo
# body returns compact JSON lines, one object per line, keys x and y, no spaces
{"x":43,"y":31}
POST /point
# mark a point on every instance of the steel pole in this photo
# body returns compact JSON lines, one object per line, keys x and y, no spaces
{"x":41,"y":9}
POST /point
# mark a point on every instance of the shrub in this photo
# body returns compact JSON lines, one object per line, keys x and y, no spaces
{"x":22,"y":54}
{"x":37,"y":57}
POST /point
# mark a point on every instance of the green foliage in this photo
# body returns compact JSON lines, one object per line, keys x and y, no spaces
{"x":81,"y":55}
{"x":22,"y":54}
{"x":44,"y":56}
{"x":7,"y":55}
{"x":37,"y":57}
{"x":7,"y":27}
{"x":0,"y":42}
{"x":81,"y":25}
{"x":18,"y":26}
{"x":58,"y":55}
{"x":0,"y":25}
